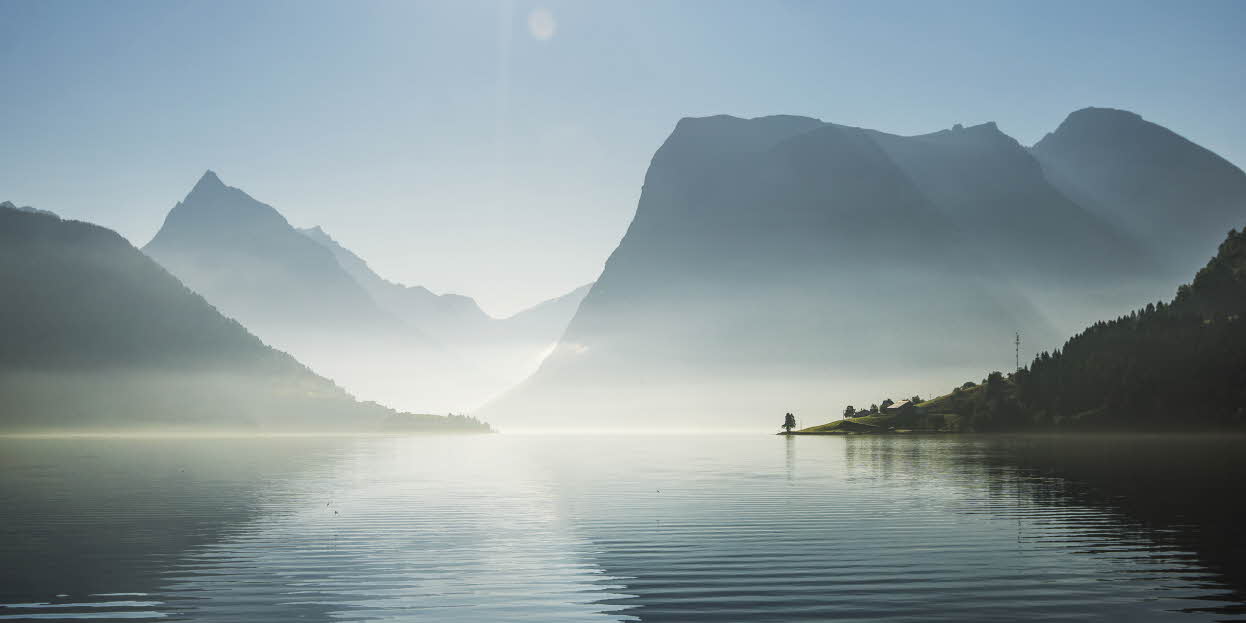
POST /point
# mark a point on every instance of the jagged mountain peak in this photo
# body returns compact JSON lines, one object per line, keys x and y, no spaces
{"x":247,"y":259}
{"x":213,"y":211}
{"x":209,"y":181}
{"x":989,"y":129}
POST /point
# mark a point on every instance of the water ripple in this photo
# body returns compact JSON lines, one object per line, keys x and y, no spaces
{"x":601,"y":529}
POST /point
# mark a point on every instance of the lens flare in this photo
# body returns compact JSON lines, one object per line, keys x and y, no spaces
{"x":541,"y":24}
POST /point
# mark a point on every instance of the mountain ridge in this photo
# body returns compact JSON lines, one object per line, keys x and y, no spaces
{"x":100,"y":336}
{"x":249,"y":261}
{"x":790,"y":247}
{"x":1174,"y":195}
{"x":506,"y":349}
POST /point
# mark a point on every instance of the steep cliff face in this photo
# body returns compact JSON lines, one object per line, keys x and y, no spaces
{"x":776,"y":253}
{"x":785,"y":261}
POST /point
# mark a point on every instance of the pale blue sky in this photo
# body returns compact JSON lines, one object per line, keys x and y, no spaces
{"x":452,"y":148}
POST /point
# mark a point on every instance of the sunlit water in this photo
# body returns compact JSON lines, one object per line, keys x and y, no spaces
{"x":621,"y":528}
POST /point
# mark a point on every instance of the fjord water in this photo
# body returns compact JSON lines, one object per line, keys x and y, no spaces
{"x":619,"y":528}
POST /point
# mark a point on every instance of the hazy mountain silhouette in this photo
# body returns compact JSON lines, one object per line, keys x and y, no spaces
{"x":1175,"y":196}
{"x":436,"y":314}
{"x":996,"y":193}
{"x":507,"y":349}
{"x":768,"y":257}
{"x":1075,"y":265}
{"x":99,"y":335}
{"x":779,"y":262}
{"x":547,"y":319}
{"x":245,"y":258}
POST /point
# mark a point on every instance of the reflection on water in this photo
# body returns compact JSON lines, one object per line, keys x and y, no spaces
{"x":583,"y":528}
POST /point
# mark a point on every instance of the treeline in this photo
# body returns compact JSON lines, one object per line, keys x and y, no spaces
{"x":1178,"y":365}
{"x":425,"y":422}
{"x":876,"y":408}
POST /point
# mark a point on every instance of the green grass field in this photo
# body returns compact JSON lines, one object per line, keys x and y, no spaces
{"x":936,"y":414}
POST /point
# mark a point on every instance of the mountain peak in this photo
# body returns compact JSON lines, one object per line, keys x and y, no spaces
{"x":208,"y":182}
{"x":215,"y":212}
{"x":988,"y":131}
{"x":1097,"y":121}
{"x":317,"y":232}
{"x":1092,"y":112}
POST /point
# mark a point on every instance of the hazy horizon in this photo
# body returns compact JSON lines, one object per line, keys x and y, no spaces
{"x":507,"y":141}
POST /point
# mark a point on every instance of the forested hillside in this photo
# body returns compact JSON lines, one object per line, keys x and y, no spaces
{"x":1178,"y":365}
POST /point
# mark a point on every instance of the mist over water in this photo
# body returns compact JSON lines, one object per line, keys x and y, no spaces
{"x":624,"y":527}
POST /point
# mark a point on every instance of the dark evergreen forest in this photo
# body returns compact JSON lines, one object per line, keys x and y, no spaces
{"x":1169,"y":366}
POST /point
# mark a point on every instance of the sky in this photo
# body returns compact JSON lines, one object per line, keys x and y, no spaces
{"x":497,"y":149}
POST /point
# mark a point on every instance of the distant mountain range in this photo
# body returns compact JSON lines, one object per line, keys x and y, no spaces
{"x":97,"y":335}
{"x":786,"y":264}
{"x":774,"y":264}
{"x":306,"y":294}
{"x":509,"y":349}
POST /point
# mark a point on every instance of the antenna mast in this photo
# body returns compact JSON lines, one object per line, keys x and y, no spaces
{"x":1017,"y":343}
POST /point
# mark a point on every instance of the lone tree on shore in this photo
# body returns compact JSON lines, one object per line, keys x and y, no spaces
{"x":849,"y":412}
{"x":789,"y":422}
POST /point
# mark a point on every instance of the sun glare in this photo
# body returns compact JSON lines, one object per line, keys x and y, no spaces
{"x":541,"y":24}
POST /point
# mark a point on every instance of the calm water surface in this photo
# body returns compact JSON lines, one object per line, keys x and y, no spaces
{"x":623,"y":528}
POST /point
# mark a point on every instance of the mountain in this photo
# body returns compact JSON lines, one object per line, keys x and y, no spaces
{"x":1176,"y":197}
{"x":245,"y":258}
{"x":771,"y":261}
{"x":996,"y":193}
{"x":1075,"y":264}
{"x":97,"y":335}
{"x":441,"y":315}
{"x":779,"y":263}
{"x":507,"y":350}
{"x":546,"y":321}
